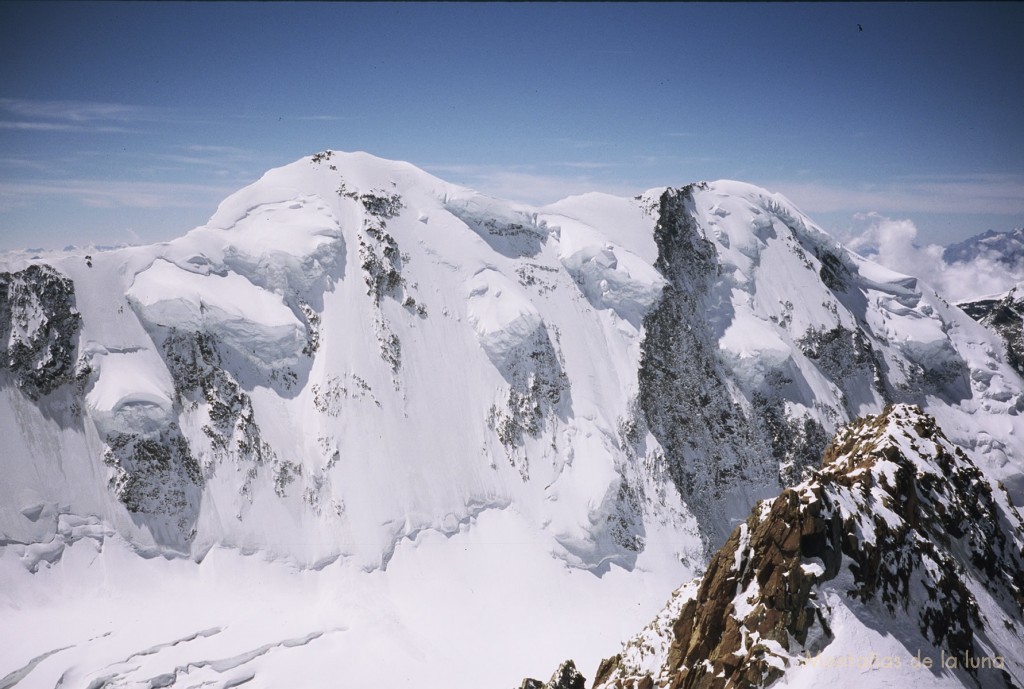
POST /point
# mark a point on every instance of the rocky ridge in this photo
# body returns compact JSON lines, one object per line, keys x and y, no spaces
{"x":897,"y":523}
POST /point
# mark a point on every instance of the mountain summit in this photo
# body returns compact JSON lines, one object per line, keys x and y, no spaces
{"x":357,"y":370}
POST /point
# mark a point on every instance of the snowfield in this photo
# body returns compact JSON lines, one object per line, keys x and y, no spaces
{"x":366,"y":427}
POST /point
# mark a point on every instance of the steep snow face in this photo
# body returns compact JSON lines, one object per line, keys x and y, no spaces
{"x":612,"y":368}
{"x":769,"y":335}
{"x":246,"y":318}
{"x":501,"y":314}
{"x":898,"y":530}
{"x":353,"y":366}
{"x":352,"y":352}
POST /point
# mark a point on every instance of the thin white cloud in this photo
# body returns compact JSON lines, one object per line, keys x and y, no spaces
{"x":524,"y":183}
{"x":585,"y":164}
{"x":60,"y":127}
{"x":579,"y":143}
{"x":116,"y":194}
{"x":224,"y":150}
{"x":18,"y":114}
{"x":968,"y":194}
{"x":74,"y":111}
{"x":191,"y":160}
{"x":28,"y":164}
{"x":322,"y":118}
{"x":210,"y":156}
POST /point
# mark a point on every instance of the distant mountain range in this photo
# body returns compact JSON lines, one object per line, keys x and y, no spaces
{"x":1005,"y":247}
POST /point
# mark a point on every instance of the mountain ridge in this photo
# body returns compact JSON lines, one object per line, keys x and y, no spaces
{"x":896,"y":523}
{"x":236,"y":310}
{"x":355,"y":364}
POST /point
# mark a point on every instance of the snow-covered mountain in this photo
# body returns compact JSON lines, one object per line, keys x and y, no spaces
{"x":434,"y":417}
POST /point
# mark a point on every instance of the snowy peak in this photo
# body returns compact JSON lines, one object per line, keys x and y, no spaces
{"x":275,"y":371}
{"x":897,"y":527}
{"x":770,"y":335}
{"x":613,"y":369}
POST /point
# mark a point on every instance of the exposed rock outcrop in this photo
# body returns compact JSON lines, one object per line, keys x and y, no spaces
{"x":686,"y":402}
{"x":38,"y":329}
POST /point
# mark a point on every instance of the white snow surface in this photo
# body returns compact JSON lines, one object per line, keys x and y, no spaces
{"x":239,"y":313}
{"x":501,"y":313}
{"x":407,"y":541}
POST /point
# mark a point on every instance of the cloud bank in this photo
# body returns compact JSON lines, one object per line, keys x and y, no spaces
{"x":893,"y":243}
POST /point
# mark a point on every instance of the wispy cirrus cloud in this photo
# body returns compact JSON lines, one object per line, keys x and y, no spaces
{"x":114,"y":194}
{"x":323,"y":118}
{"x":199,"y":155}
{"x":59,"y":127}
{"x":995,"y":194}
{"x":222,"y":150}
{"x":579,"y":143}
{"x":72,"y":111}
{"x":27,"y":115}
{"x":20,"y":164}
{"x":585,"y":164}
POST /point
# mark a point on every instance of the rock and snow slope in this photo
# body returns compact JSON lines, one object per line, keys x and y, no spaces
{"x":1003,"y":313}
{"x":354,"y":365}
{"x":896,"y":563}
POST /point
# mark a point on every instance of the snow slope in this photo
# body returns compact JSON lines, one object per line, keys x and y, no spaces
{"x":356,"y":374}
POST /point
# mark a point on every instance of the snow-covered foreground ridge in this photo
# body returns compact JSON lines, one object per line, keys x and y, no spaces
{"x":354,"y":362}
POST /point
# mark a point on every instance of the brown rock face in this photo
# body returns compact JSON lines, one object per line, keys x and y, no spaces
{"x":894,"y":504}
{"x":716,"y":644}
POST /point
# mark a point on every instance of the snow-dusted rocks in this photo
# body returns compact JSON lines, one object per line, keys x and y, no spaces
{"x":38,"y":329}
{"x":898,"y":529}
{"x":565,"y":677}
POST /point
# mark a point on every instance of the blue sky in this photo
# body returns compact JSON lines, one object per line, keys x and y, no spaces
{"x":129,"y":122}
